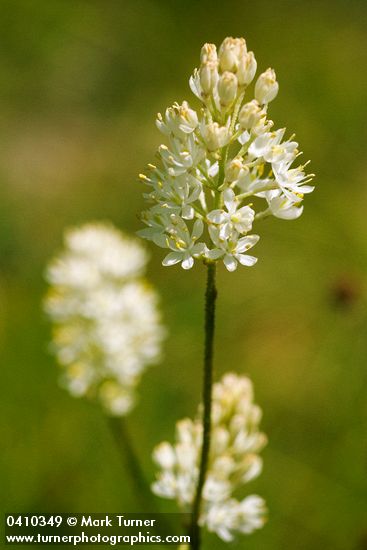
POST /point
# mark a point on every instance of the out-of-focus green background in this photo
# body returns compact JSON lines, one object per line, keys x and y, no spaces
{"x":80,"y":84}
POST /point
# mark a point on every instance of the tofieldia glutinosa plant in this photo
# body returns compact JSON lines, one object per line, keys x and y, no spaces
{"x":233,"y":461}
{"x":106,"y":323}
{"x":107,"y":327}
{"x":222,"y":169}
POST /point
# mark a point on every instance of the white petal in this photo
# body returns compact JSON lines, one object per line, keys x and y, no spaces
{"x":254,"y":470}
{"x":245,"y":259}
{"x":161,"y":240}
{"x":245,"y":243}
{"x":187,"y":212}
{"x":260,"y":145}
{"x":306,"y":188}
{"x":198,"y":249}
{"x":243,"y":227}
{"x":225,"y":231}
{"x":188,"y":262}
{"x":213,"y":170}
{"x":146,"y":233}
{"x":198,"y":229}
{"x":246,"y":212}
{"x":216,"y":216}
{"x":214,"y":235}
{"x":229,"y":199}
{"x":215,"y":254}
{"x":291,"y":213}
{"x":244,"y":137}
{"x":193,"y":82}
{"x":230,"y":262}
{"x":172,"y":258}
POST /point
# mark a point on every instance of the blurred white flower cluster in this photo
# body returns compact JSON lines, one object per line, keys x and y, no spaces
{"x":224,"y":167}
{"x":107,"y":325}
{"x":234,"y":461}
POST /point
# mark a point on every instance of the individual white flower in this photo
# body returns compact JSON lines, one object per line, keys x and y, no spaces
{"x":282,"y":153}
{"x":232,"y":250}
{"x":233,"y":461}
{"x":228,"y":148}
{"x":291,"y":181}
{"x":179,"y":120}
{"x":263,"y":145}
{"x":234,"y":219}
{"x":281,"y":207}
{"x":106,"y":323}
{"x":250,"y":115}
{"x":184,"y":245}
{"x":180,"y":160}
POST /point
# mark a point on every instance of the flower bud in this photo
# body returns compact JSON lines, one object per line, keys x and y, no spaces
{"x":266,"y":87}
{"x":230,"y":52}
{"x":208,"y":77}
{"x":227,"y":88}
{"x":250,"y":114}
{"x":233,"y":170}
{"x":246,"y":69}
{"x":208,"y":54}
{"x":215,"y":136}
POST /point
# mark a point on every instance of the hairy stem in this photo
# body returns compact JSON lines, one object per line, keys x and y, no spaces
{"x":210,"y":300}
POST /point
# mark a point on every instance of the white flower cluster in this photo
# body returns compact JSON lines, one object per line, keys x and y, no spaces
{"x":217,"y":161}
{"x":107,"y":326}
{"x":233,"y":461}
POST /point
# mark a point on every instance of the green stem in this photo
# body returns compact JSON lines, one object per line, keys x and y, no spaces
{"x":263,"y":214}
{"x":210,"y":300}
{"x":268,"y":187}
{"x":138,"y":482}
{"x":131,"y":463}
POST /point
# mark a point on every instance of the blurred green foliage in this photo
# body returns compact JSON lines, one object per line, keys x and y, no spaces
{"x":80,"y":84}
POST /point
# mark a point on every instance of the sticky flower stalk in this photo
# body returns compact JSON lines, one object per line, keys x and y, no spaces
{"x":210,"y":302}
